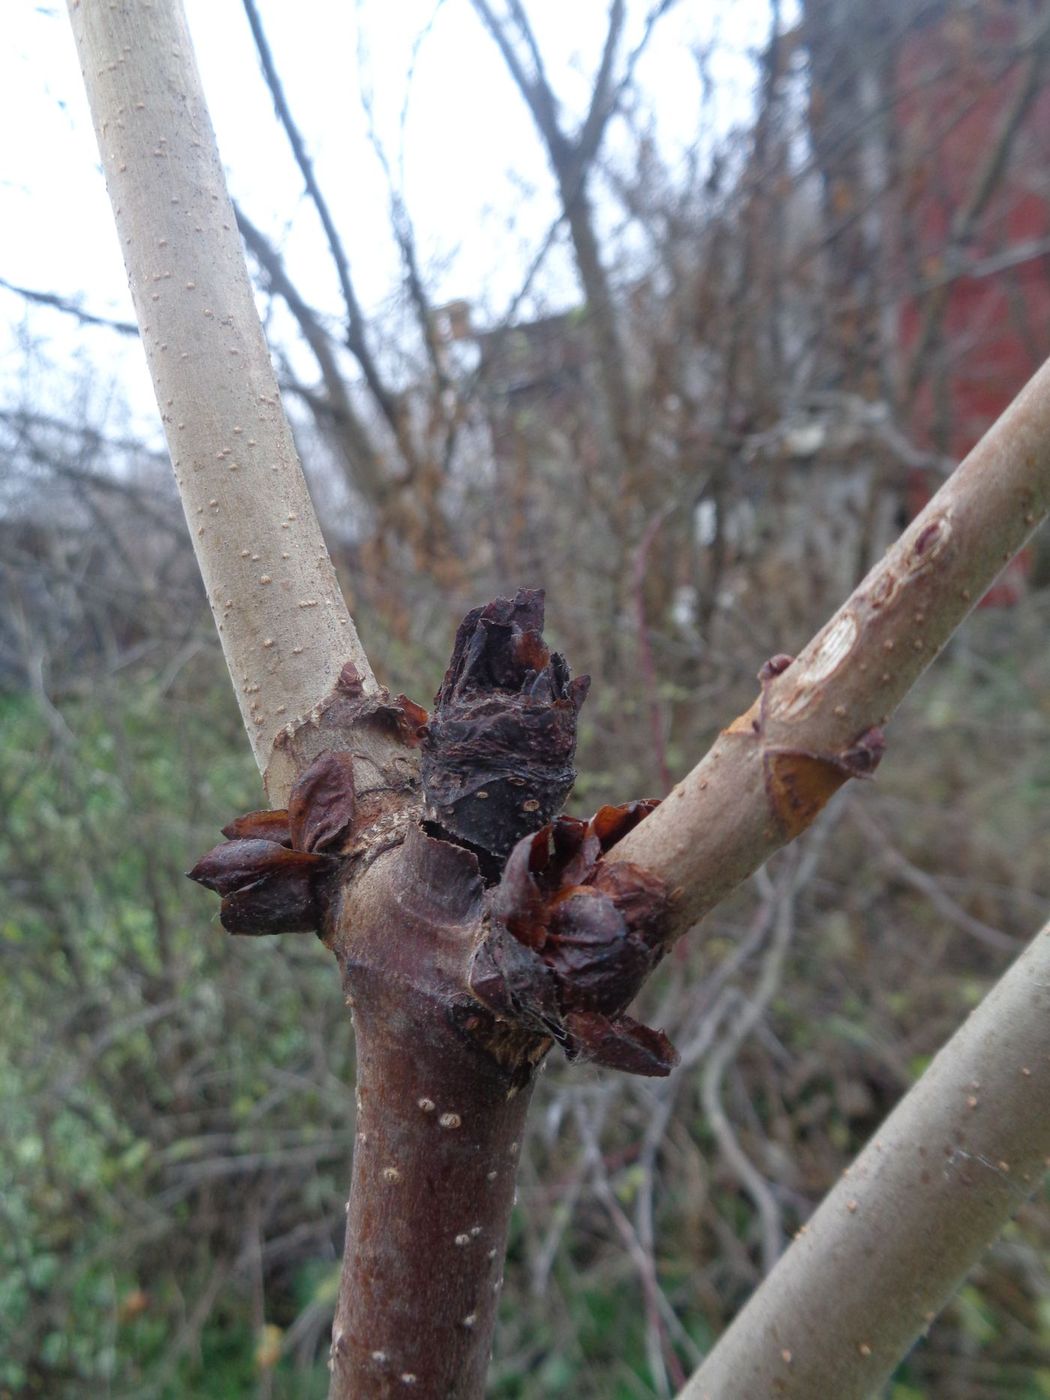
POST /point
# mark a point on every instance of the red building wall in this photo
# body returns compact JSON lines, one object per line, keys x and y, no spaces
{"x":972,"y":125}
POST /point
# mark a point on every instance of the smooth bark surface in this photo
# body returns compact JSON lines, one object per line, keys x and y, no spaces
{"x":768,"y":775}
{"x":282,"y":621}
{"x":893,"y":1240}
{"x":440,"y":1123}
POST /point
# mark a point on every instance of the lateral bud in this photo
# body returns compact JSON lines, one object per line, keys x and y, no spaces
{"x":273,"y":869}
{"x":571,"y":940}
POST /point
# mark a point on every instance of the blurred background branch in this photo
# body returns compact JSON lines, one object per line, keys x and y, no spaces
{"x":172,"y":1206}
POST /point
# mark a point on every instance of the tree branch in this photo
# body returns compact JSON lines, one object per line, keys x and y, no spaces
{"x":366,"y":472}
{"x":536,"y":91}
{"x":400,"y":220}
{"x":772,"y":770}
{"x":69,"y":307}
{"x":606,"y":93}
{"x":282,"y":621}
{"x":355,"y":322}
{"x":571,"y":160}
{"x":733,"y":1036}
{"x":893,"y":1240}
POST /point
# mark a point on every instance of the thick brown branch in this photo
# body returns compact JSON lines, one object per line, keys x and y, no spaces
{"x":462,"y":966}
{"x":767,"y":775}
{"x":440,"y":1119}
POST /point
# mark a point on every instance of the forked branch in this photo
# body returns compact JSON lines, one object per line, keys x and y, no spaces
{"x":472,"y":925}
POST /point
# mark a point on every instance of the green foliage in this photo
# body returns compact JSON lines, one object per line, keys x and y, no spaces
{"x":152,"y":1072}
{"x":175,"y":1110}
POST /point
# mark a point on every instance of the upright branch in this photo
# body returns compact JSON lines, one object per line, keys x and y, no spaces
{"x":284,"y":627}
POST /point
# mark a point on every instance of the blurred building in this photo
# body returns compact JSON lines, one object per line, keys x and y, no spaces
{"x":931,"y":126}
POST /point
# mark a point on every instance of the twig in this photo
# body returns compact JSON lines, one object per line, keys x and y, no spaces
{"x":729,"y":1045}
{"x":401,"y":223}
{"x":645,"y":649}
{"x":741,"y":802}
{"x":664,"y":1366}
{"x":892,"y":1241}
{"x":355,"y":324}
{"x":70,"y":308}
{"x":930,"y":888}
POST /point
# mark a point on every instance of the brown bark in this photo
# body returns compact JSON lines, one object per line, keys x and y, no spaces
{"x":462,"y":965}
{"x":440,"y":1119}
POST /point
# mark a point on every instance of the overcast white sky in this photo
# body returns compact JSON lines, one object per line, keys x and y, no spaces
{"x":476,"y":181}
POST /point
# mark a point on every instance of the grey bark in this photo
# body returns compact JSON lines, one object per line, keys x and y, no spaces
{"x":284,"y":627}
{"x":891,"y":1243}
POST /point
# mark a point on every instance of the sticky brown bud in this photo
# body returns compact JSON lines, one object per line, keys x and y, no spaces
{"x":497,"y":752}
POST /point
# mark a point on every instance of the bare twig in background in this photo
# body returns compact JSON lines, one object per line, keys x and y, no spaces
{"x":400,"y":220}
{"x":645,"y":647}
{"x":572,"y":159}
{"x":664,"y":1366}
{"x":356,"y":333}
{"x":927,"y":885}
{"x":70,"y":307}
{"x":733,"y":1037}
